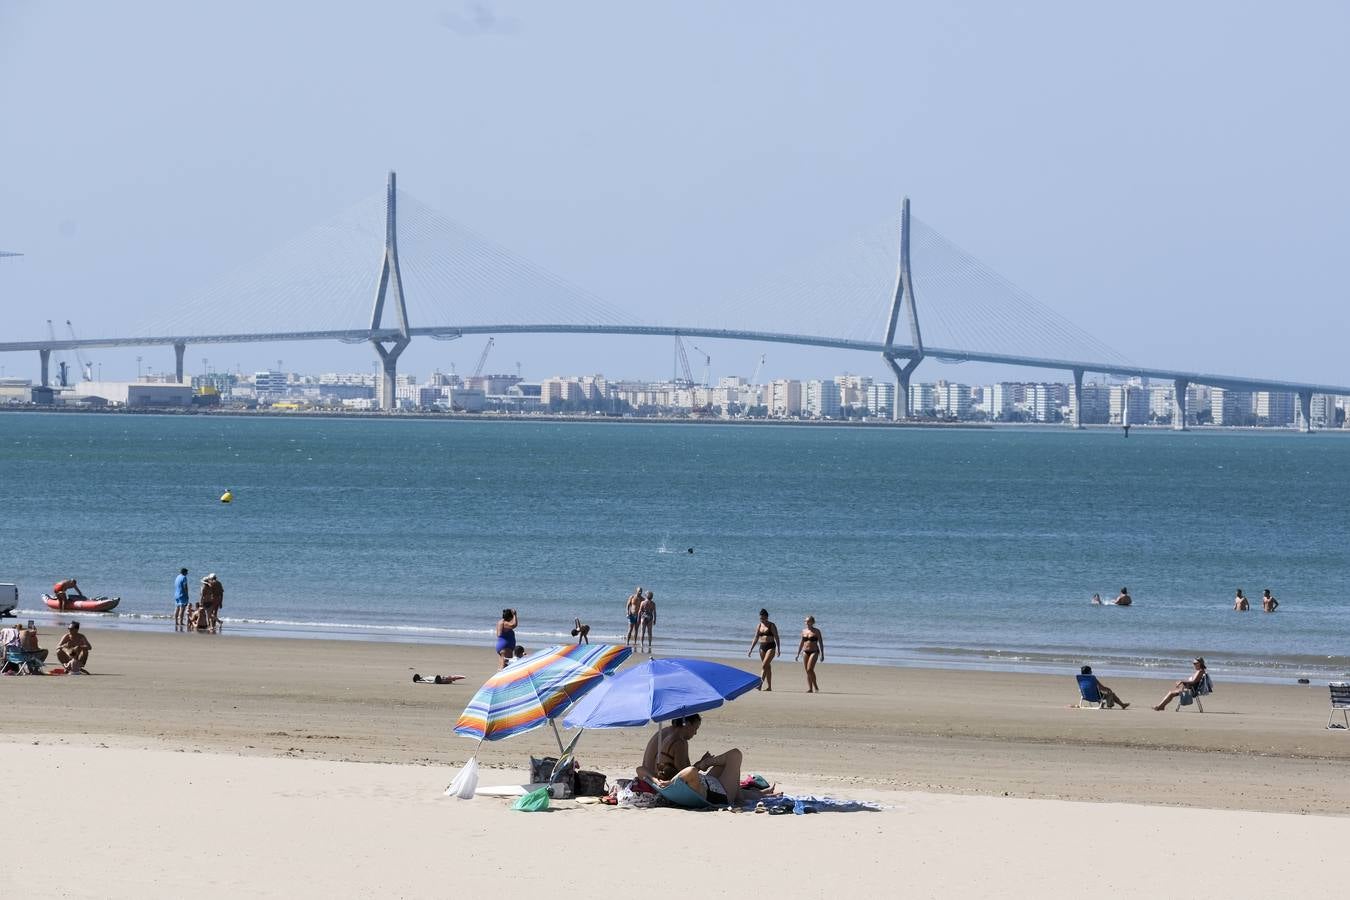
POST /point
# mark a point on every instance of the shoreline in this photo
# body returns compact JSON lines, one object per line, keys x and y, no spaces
{"x":1012,"y":661}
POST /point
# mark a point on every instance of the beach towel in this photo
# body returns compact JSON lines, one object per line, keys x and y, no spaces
{"x":807,"y":803}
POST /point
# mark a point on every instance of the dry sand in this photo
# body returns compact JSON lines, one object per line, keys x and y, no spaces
{"x":179,"y":742}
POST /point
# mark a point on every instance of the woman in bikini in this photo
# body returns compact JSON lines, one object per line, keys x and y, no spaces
{"x":766,"y":636}
{"x":506,"y":636}
{"x":812,"y":645}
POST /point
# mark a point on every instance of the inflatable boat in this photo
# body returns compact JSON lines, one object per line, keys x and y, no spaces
{"x":82,"y":604}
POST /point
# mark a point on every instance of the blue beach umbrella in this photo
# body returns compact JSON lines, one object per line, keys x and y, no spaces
{"x":657,"y":690}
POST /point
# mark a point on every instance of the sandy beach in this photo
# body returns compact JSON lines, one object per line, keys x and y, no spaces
{"x":316,"y":768}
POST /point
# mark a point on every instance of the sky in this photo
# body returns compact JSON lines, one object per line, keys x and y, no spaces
{"x":1170,"y":177}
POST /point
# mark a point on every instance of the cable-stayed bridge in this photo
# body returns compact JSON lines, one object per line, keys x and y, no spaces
{"x":391,"y":269}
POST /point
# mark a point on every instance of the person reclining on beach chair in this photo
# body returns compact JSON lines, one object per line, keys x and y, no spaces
{"x":1092,"y":691}
{"x":1189,"y":690}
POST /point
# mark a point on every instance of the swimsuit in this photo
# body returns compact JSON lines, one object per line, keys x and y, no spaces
{"x":506,"y":641}
{"x":717,"y":795}
{"x":809,"y":644}
{"x":766,"y":641}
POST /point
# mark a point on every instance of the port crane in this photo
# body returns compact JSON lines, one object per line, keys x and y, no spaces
{"x":482,"y":358}
{"x":707,"y":365}
{"x":86,"y":367}
{"x":682,"y":362}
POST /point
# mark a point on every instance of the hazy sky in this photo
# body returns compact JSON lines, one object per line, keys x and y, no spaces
{"x":1172,"y":177}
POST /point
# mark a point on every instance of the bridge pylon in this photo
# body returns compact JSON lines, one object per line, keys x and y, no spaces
{"x":903,"y":298}
{"x":391,"y":282}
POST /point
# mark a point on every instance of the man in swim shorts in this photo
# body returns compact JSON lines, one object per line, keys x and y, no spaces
{"x":634,"y":601}
{"x":73,"y":651}
{"x":180,"y":600}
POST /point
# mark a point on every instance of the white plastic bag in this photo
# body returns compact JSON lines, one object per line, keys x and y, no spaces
{"x":466,"y":782}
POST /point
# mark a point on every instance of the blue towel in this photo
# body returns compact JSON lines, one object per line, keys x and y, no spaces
{"x":807,"y":803}
{"x":681,"y":794}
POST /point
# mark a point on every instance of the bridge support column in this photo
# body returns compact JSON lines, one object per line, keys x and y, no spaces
{"x":902,"y":376}
{"x":46,"y":357}
{"x":389,"y":378}
{"x":391,"y":283}
{"x":1179,"y":388}
{"x":903,"y":300}
{"x":1076,"y":398}
{"x":1305,"y":411}
{"x":178,"y":351}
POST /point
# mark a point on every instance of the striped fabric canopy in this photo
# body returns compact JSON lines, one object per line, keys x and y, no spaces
{"x":528,"y":693}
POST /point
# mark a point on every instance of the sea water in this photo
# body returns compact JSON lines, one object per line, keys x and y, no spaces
{"x":910,"y":546}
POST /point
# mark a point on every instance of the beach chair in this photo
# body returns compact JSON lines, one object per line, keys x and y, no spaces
{"x":1090,"y":695}
{"x":680,"y":794}
{"x":1340,"y":700}
{"x":23,"y":661}
{"x":1203,"y":689}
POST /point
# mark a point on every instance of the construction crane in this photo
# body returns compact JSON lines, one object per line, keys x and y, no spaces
{"x":682,"y":361}
{"x":482,"y":359}
{"x":86,"y":367}
{"x":707,"y":366}
{"x":754,"y":378}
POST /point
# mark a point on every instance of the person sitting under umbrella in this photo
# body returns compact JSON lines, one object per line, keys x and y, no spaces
{"x":716,"y":779}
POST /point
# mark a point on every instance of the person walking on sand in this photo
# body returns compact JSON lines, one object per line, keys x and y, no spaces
{"x":647,"y":620}
{"x":766,"y":636}
{"x":1268,"y":602}
{"x":634,"y":601}
{"x":180,"y":600}
{"x":1240,"y":603}
{"x":811,"y":650}
{"x":1124,"y":598}
{"x":506,"y":636}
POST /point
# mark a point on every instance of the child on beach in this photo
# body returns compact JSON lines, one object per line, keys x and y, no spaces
{"x":581,"y":631}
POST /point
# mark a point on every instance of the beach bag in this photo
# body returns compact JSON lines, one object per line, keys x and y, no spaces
{"x":534,"y":801}
{"x":466,"y":782}
{"x":1186,"y":698}
{"x":590,"y":784}
{"x":541,"y":770}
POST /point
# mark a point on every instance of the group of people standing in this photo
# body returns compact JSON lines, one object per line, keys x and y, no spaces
{"x":810,"y":650}
{"x":1268,"y":602}
{"x":204,"y":615}
{"x":641,"y":611}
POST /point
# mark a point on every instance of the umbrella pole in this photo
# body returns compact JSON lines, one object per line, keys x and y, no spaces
{"x":554,"y":723}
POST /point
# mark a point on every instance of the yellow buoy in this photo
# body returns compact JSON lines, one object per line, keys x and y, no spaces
{"x":226,"y":497}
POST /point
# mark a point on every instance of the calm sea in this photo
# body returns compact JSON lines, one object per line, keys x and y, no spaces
{"x":935,"y":547}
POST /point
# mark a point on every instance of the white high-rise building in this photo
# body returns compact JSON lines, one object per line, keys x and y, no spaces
{"x":784,"y":398}
{"x":922,"y":400}
{"x":952,"y":400}
{"x":1137,"y":398}
{"x":881,"y":399}
{"x":853,"y":389}
{"x":1230,"y":407}
{"x":1002,"y":401}
{"x":820,"y":399}
{"x":1274,"y":407}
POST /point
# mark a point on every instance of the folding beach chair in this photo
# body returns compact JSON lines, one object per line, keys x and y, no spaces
{"x":1340,"y":700}
{"x":1090,"y":694}
{"x":681,"y":794}
{"x":23,"y":661}
{"x":1192,"y":696}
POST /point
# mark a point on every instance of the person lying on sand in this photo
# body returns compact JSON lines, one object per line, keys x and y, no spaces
{"x":437,"y":679}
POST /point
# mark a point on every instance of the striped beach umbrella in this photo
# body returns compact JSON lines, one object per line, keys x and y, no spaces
{"x":529,"y":693}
